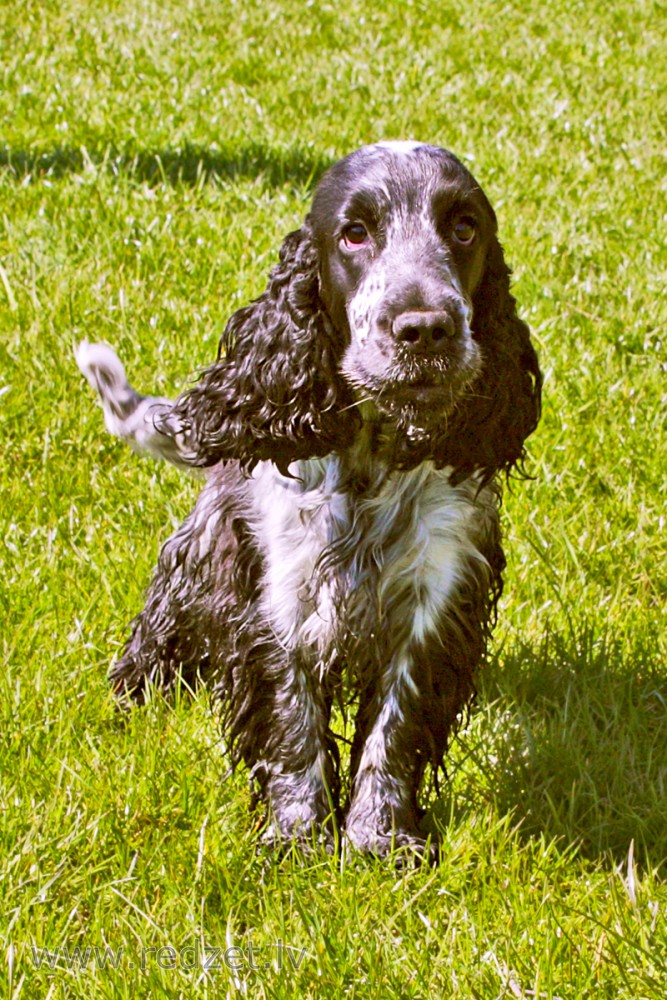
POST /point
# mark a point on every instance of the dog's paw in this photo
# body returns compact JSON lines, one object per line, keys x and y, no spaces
{"x":405,"y":847}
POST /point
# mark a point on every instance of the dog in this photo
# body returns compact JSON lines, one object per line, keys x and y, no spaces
{"x":356,"y":428}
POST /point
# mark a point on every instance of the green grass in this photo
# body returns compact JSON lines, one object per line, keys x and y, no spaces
{"x":152,"y":155}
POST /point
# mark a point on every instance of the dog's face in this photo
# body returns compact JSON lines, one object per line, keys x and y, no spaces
{"x":389,"y":311}
{"x":402,"y":231}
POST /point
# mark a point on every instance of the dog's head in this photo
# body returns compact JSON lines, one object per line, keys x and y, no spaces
{"x":402,"y":232}
{"x":393,"y":293}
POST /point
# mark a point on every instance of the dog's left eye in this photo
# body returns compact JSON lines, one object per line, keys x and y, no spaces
{"x":464,"y":230}
{"x":354,"y":236}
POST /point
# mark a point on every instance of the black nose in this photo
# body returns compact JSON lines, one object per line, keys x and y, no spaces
{"x":424,"y":332}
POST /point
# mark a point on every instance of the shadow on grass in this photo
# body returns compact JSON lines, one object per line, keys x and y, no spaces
{"x":190,"y":165}
{"x":571,"y":738}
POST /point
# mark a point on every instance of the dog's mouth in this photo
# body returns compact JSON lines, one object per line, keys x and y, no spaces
{"x":411,"y":389}
{"x":421,"y":376}
{"x":414,"y":389}
{"x":425,"y":382}
{"x":415,"y":392}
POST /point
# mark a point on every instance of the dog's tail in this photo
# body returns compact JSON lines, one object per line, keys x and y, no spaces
{"x":127,"y":414}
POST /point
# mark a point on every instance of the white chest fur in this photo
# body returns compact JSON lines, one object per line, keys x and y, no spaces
{"x":400,"y":548}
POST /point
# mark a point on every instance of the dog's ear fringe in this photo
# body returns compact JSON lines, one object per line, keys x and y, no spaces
{"x":275,"y":392}
{"x":502,"y":407}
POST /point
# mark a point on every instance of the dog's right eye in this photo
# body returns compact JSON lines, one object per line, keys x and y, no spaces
{"x":354,"y":236}
{"x":465,"y":230}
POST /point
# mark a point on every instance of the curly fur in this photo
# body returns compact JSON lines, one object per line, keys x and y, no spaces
{"x":346,"y":544}
{"x":275,"y":393}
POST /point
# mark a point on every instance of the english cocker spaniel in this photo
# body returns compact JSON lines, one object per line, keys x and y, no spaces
{"x":346,"y":543}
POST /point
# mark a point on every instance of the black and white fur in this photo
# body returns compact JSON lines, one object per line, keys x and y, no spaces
{"x":346,"y":543}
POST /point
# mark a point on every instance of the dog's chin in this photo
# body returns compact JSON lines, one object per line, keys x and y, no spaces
{"x":417,"y":393}
{"x":414,"y":400}
{"x":411,"y":413}
{"x":419,"y":401}
{"x":413,"y":406}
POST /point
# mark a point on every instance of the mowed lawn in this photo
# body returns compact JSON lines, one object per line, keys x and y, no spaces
{"x":152,"y":156}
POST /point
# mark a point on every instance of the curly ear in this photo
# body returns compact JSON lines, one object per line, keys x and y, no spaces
{"x":502,"y":406}
{"x":275,"y":392}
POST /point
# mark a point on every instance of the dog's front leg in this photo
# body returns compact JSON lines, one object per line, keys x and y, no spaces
{"x":280,"y":725}
{"x":387,"y":763}
{"x":404,"y":722}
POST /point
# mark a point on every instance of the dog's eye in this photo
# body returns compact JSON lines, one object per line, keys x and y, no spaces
{"x":354,"y":236}
{"x":464,"y":230}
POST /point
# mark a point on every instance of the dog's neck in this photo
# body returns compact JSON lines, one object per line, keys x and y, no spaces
{"x":401,"y":441}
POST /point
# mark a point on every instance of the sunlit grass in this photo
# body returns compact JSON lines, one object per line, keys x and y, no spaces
{"x":152,"y":155}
